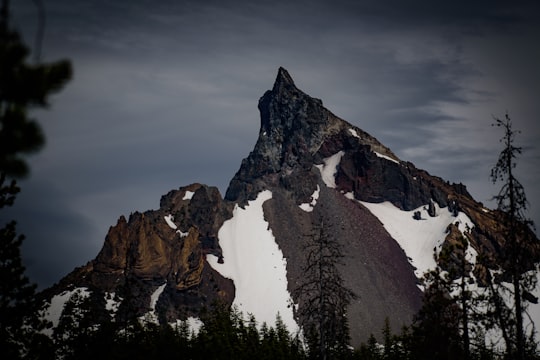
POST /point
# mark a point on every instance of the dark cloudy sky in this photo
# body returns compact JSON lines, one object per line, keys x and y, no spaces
{"x":165,"y":94}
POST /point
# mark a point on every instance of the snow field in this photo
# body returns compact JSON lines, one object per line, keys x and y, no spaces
{"x":418,"y":238}
{"x":253,"y":260}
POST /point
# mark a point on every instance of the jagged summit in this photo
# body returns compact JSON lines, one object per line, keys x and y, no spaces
{"x":296,"y":133}
{"x":283,"y":81}
{"x":287,"y":107}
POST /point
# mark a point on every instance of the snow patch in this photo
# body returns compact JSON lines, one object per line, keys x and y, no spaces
{"x":254,"y":261}
{"x":534,"y":311}
{"x":349,"y":195}
{"x":188,"y":195}
{"x":329,"y":168}
{"x":195,"y":324}
{"x":57,"y":304}
{"x":354,"y":133}
{"x":418,"y":238}
{"x":470,"y":255}
{"x":170,"y":221}
{"x":182,"y":234}
{"x":386,"y":157}
{"x":111,"y":304}
{"x":308,"y":207}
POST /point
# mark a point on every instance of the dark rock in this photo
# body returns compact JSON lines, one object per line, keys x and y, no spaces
{"x":431,"y":209}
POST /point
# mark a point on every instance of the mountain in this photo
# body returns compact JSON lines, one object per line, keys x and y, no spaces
{"x":248,"y":248}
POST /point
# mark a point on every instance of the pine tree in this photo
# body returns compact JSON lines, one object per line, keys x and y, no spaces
{"x":16,"y":292}
{"x":436,"y":326}
{"x":369,"y":351}
{"x":22,"y":87}
{"x":458,"y":280}
{"x":519,"y":239}
{"x":324,"y":298}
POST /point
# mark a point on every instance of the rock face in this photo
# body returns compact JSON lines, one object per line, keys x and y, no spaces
{"x":165,"y":246}
{"x":317,"y":166}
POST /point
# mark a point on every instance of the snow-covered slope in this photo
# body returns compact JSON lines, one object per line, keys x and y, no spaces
{"x":418,"y":238}
{"x":253,"y":260}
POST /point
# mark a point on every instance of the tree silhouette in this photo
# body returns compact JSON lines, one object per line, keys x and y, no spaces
{"x":519,"y":239}
{"x":22,"y":87}
{"x":324,"y":297}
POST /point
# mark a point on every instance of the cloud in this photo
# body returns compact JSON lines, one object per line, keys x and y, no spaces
{"x":165,"y":94}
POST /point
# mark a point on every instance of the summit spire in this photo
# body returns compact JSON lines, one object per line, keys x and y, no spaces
{"x":283,"y":76}
{"x":283,"y":81}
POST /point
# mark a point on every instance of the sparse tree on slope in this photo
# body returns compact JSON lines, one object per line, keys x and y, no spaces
{"x":435,"y":330}
{"x":519,"y":239}
{"x":324,"y":298}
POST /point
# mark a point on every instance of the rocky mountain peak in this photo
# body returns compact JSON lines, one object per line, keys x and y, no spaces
{"x":311,"y":165}
{"x":293,"y":128}
{"x":286,"y":111}
{"x":284,"y":82}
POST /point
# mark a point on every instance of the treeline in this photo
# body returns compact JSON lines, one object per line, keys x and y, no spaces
{"x":225,"y":334}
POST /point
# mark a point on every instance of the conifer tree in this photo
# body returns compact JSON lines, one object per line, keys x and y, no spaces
{"x":324,"y":298}
{"x":435,"y":329}
{"x":458,"y":280}
{"x":16,"y":292}
{"x":520,"y":241}
{"x":22,"y":87}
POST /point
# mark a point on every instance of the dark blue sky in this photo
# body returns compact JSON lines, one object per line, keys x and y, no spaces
{"x":165,"y":94}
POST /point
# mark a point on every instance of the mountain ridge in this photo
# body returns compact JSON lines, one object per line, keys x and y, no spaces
{"x":314,"y":165}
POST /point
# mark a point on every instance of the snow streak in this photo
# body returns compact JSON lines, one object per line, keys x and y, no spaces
{"x":329,"y":169}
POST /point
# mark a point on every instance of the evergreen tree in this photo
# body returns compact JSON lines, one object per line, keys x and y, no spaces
{"x":324,"y":298}
{"x":22,"y":87}
{"x":369,"y":351}
{"x":458,"y":280}
{"x":435,"y":330}
{"x":519,"y":238}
